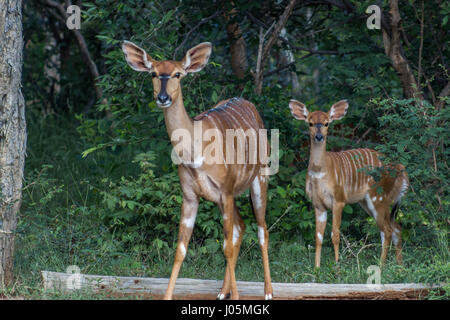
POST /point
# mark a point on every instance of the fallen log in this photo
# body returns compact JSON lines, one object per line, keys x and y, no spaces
{"x":193,"y":288}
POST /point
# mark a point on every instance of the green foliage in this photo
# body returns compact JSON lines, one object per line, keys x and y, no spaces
{"x":101,"y":191}
{"x":414,"y":133}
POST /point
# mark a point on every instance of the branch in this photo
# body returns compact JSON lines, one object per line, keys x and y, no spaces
{"x":311,"y":51}
{"x":264,"y":50}
{"x":421,"y":46}
{"x":85,"y":55}
{"x":286,"y":66}
{"x":280,"y":25}
{"x":277,"y":70}
{"x":287,"y":42}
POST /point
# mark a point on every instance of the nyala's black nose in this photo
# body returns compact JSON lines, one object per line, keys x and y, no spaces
{"x":163,"y":98}
{"x":319,"y":137}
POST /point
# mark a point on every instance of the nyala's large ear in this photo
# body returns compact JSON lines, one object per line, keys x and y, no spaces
{"x":136,"y":57}
{"x":197,"y":57}
{"x":338,"y":110}
{"x":298,"y":110}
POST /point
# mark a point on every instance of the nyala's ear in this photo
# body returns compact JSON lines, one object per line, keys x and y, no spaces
{"x":338,"y":110}
{"x":298,"y":110}
{"x":197,"y":57}
{"x":136,"y":57}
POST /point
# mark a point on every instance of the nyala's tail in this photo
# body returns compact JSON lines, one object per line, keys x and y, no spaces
{"x":401,"y":185}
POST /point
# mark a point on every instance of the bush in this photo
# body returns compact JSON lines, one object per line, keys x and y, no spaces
{"x":414,"y":133}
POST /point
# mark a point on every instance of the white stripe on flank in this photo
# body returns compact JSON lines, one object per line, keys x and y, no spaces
{"x":213,"y":120}
{"x":316,"y":175}
{"x":235,"y":121}
{"x":335,"y":162}
{"x":358,"y":164}
{"x":354,"y":170}
{"x":364,"y":165}
{"x":240,"y":116}
{"x":353,"y":160}
{"x":343,"y":172}
{"x":366,"y":152}
{"x":250,"y":115}
{"x":371,"y":161}
{"x":348,"y":176}
{"x":361,"y":172}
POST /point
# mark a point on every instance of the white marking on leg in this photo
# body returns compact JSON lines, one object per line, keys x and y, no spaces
{"x":374,"y":199}
{"x":236,"y":230}
{"x":370,"y":206}
{"x":382,"y":237}
{"x":189,"y":222}
{"x":183,"y":249}
{"x":220,"y":296}
{"x":257,"y":202}
{"x":395,"y":236}
{"x":261,"y":235}
{"x":319,"y":236}
{"x":268,"y":296}
{"x":322,"y":217}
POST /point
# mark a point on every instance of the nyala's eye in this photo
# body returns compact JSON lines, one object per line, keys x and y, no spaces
{"x":177,"y":75}
{"x":153,"y":74}
{"x":326,"y":124}
{"x":310,"y":124}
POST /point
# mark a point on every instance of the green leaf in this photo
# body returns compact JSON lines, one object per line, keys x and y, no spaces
{"x":348,"y":209}
{"x":281,"y":191}
{"x":214,"y":97}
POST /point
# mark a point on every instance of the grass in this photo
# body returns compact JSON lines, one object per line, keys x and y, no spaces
{"x":59,"y":225}
{"x":289,"y":262}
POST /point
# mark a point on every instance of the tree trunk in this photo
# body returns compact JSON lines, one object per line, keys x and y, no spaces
{"x":239,"y":62}
{"x":393,"y":49}
{"x":12,"y":131}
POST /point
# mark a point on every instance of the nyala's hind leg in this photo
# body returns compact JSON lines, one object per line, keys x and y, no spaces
{"x":238,"y":232}
{"x":258,"y":192}
{"x":397,"y":240}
